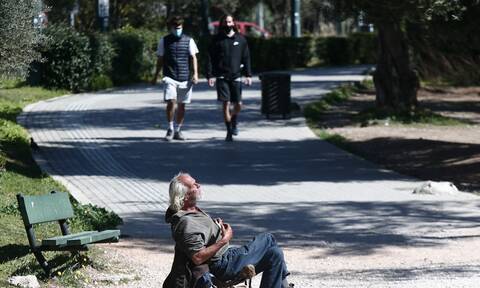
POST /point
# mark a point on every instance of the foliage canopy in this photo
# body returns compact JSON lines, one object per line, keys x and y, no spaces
{"x":19,"y":37}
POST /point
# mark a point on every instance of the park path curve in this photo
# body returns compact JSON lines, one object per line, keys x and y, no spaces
{"x":107,"y":148}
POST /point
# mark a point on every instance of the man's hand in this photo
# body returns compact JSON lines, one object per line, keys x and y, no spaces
{"x":195,"y":78}
{"x":248,"y":81}
{"x":227,"y":232}
{"x":211,"y":82}
{"x":208,"y":252}
{"x":158,"y":68}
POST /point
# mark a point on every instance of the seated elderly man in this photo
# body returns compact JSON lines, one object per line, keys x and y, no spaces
{"x":199,"y":239}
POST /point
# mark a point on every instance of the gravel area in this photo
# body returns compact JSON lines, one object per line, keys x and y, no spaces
{"x":451,"y":265}
{"x":430,"y":152}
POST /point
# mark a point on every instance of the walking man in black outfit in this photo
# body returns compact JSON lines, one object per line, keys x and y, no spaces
{"x":229,"y":58}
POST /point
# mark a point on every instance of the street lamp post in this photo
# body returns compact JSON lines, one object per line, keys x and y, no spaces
{"x":295,"y":18}
{"x":260,"y":15}
{"x":204,"y":7}
{"x":103,"y":13}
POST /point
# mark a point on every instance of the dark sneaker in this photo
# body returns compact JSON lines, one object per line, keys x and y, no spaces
{"x":229,"y":137}
{"x":169,"y":135}
{"x":178,"y":136}
{"x":234,"y":130}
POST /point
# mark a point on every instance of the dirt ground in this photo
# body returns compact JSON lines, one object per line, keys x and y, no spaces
{"x":428,"y":152}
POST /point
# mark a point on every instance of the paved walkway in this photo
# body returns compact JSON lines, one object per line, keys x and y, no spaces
{"x":107,"y":148}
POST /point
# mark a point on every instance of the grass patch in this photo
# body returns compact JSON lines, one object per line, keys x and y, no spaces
{"x":365,"y":86}
{"x":20,"y":174}
{"x":437,"y":82}
{"x":373,"y":116}
{"x":313,"y":111}
{"x":335,"y":139}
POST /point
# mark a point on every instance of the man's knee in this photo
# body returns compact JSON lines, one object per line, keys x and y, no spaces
{"x":275,"y":256}
{"x":268,"y":238}
{"x":273,"y":249}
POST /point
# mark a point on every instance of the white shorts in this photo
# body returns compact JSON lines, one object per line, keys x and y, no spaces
{"x":175,"y":90}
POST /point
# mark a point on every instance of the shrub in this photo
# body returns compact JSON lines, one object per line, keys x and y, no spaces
{"x":68,"y":60}
{"x":19,"y":38}
{"x":280,"y":53}
{"x":364,"y":47}
{"x":12,"y":133}
{"x":358,"y":48}
{"x":338,"y":51}
{"x":321,"y":49}
{"x":287,"y":53}
{"x":150,"y":38}
{"x":3,"y":160}
{"x":100,"y":82}
{"x":91,"y":217}
{"x":202,"y":56}
{"x":135,"y":55}
{"x":9,"y":111}
{"x":102,"y":54}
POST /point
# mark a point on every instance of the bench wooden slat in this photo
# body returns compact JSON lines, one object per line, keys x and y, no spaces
{"x":62,"y":240}
{"x":56,"y":207}
{"x":95,"y":237}
{"x":45,"y":208}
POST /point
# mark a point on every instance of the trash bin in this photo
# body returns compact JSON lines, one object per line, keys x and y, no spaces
{"x":275,"y":94}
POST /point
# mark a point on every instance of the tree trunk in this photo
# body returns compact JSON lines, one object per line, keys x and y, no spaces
{"x":396,"y":81}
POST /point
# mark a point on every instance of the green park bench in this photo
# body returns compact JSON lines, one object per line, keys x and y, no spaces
{"x":53,"y":207}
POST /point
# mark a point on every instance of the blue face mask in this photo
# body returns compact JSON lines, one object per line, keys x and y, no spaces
{"x":177,"y":31}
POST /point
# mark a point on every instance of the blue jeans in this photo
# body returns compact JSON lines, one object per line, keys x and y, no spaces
{"x":263,"y":252}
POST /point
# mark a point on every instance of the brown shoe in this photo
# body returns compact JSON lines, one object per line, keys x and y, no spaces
{"x":247,"y":272}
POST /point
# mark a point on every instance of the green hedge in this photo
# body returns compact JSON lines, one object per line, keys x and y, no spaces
{"x":74,"y":61}
{"x":128,"y":59}
{"x":358,"y":48}
{"x":365,"y":46}
{"x":77,"y":62}
{"x":289,"y":53}
{"x":67,"y":59}
{"x":135,"y":55}
{"x":101,"y":61}
{"x":280,"y":53}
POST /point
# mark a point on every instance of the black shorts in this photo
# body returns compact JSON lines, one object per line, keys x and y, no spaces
{"x":229,"y":90}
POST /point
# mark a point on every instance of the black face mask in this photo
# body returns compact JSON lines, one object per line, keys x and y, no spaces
{"x":228,"y":29}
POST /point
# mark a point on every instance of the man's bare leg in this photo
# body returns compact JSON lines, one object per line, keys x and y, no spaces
{"x":179,"y":117}
{"x":170,"y":111}
{"x":227,"y":118}
{"x":237,"y":107}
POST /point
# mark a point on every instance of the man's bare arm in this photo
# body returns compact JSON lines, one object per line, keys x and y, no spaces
{"x":195,"y":69}
{"x":157,"y":69}
{"x":206,"y":253}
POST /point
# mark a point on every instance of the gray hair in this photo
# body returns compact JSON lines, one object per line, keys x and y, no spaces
{"x":177,"y":191}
